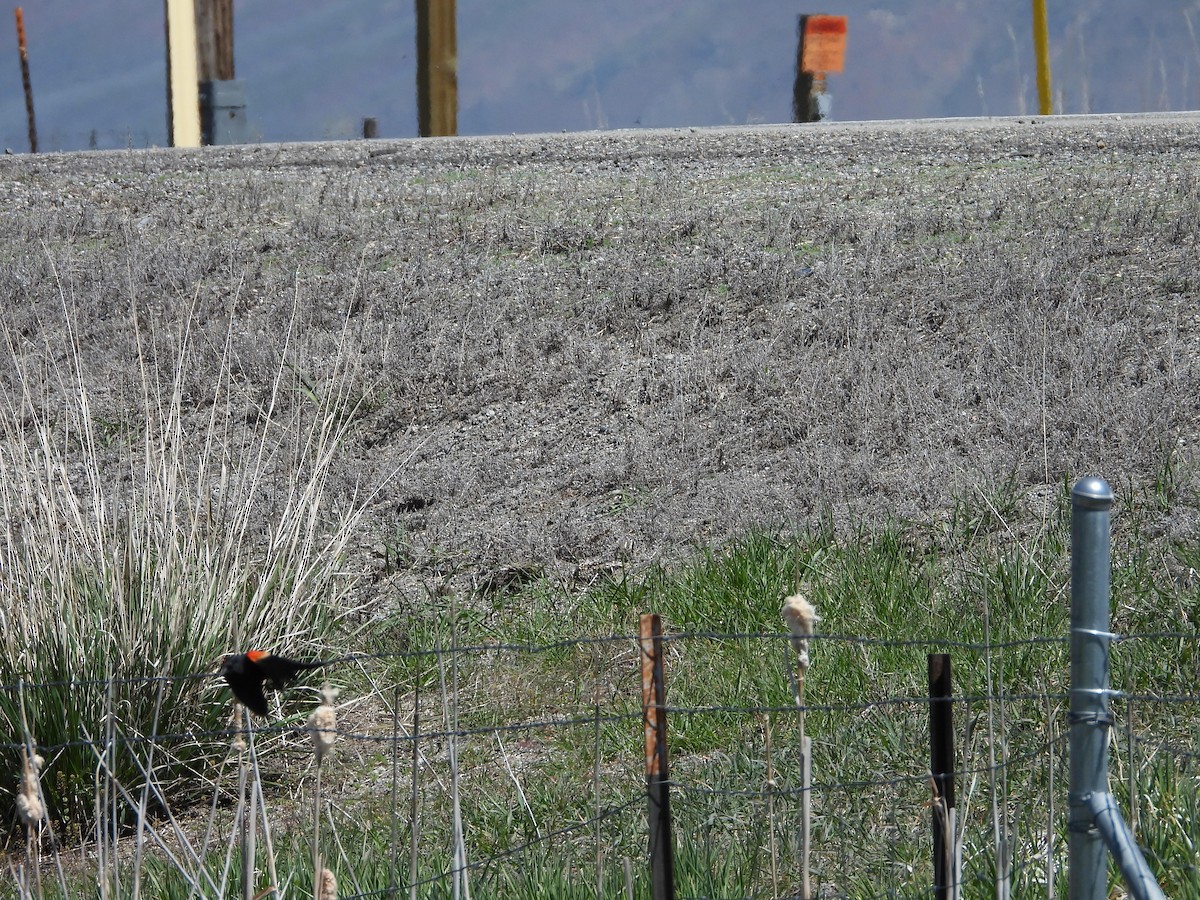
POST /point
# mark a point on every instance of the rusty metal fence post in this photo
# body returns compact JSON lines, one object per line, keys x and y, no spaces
{"x":183,"y":80}
{"x":1041,"y":51}
{"x":654,"y":718}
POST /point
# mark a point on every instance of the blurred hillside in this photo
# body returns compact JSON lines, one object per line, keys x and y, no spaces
{"x":312,"y":71}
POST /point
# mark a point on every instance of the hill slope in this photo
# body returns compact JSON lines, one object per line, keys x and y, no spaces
{"x":575,"y":351}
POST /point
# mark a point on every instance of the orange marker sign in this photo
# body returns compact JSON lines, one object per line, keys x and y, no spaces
{"x":824,"y":44}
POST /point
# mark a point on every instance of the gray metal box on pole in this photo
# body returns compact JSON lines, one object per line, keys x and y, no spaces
{"x":223,"y":113}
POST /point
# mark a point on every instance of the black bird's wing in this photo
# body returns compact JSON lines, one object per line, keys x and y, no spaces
{"x":245,"y":679}
{"x":282,"y":670}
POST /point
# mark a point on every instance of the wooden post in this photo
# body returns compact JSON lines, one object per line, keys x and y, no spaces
{"x":654,"y":718}
{"x":1041,"y":50}
{"x":941,"y":767}
{"x":183,"y":84}
{"x":25,"y":82}
{"x":214,"y":40}
{"x":437,"y":68}
{"x":370,"y":128}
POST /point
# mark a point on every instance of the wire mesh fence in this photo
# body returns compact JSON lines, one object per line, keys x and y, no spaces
{"x":484,"y":771}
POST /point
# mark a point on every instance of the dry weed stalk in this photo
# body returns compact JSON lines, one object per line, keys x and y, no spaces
{"x":247,"y":808}
{"x":238,"y":720}
{"x":29,"y":800}
{"x":945,"y":819}
{"x":326,"y":886}
{"x":322,"y":728}
{"x":251,"y":801}
{"x":322,"y":725}
{"x":259,"y":802}
{"x":769,"y":788}
{"x":801,"y":619}
{"x":30,"y":808}
{"x":460,"y":885}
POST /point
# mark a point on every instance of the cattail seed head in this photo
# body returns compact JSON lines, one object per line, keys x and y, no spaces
{"x":29,"y":800}
{"x":322,"y":724}
{"x":800,"y":616}
{"x":327,"y":889}
{"x":30,"y":808}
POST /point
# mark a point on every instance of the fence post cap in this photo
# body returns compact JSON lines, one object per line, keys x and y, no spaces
{"x":1092,"y":492}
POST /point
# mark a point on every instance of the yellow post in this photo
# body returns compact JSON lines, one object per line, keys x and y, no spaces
{"x":437,"y":68}
{"x":1041,"y":50}
{"x":183,"y":82}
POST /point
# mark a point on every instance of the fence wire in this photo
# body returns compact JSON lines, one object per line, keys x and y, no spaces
{"x":547,"y":773}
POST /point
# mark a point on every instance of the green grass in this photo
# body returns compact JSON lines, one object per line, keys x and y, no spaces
{"x":979,"y":586}
{"x":548,"y":699}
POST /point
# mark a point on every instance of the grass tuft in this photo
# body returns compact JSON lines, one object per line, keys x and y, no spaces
{"x":118,"y":597}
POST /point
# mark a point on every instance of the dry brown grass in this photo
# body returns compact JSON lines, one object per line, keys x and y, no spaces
{"x":599,"y":348}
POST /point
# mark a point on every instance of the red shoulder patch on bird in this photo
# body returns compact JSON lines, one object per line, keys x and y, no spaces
{"x":256,"y":655}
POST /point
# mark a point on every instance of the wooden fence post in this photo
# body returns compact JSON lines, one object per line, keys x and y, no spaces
{"x":941,"y":766}
{"x":654,"y":718}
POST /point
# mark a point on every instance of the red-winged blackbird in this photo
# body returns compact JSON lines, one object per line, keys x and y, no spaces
{"x":246,"y":672}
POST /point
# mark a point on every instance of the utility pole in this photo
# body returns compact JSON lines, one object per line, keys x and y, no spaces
{"x":437,"y":68}
{"x":25,"y":82}
{"x":222,"y":96}
{"x":1041,"y":50}
{"x":214,"y":39}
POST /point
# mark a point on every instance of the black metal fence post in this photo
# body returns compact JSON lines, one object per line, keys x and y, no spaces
{"x":941,"y":767}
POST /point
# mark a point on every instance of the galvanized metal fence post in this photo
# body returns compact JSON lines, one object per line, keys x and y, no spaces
{"x":1089,"y":717}
{"x":1096,"y":825}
